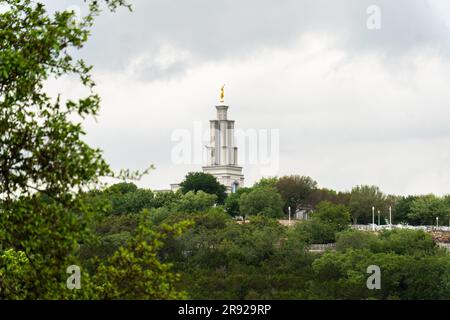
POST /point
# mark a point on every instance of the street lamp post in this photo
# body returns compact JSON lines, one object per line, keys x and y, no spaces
{"x":289,"y":209}
{"x":390,"y":216}
{"x":373,"y":218}
{"x":437,"y":222}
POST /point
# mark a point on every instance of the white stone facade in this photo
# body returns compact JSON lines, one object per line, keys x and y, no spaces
{"x":222,"y":161}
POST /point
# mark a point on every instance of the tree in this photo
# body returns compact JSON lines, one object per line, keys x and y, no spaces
{"x":323,"y":194}
{"x":232,"y":202}
{"x":403,"y":208}
{"x":336,"y":216}
{"x":295,"y":190}
{"x":355,"y":239}
{"x":45,"y":164}
{"x":221,"y":259}
{"x":411,"y":242}
{"x":166,"y":199}
{"x":127,"y":198}
{"x":14,"y":265}
{"x":196,"y":202}
{"x":264,"y":201}
{"x":315,"y":232}
{"x":122,"y":188}
{"x":425,"y":209}
{"x":411,"y":267}
{"x":134,"y":272}
{"x":325,"y":223}
{"x":362,"y":199}
{"x":270,"y":182}
{"x":391,"y":202}
{"x":43,"y":159}
{"x":205,"y":182}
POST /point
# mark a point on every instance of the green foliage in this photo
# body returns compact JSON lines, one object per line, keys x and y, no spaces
{"x":158,"y":215}
{"x":262,"y":260}
{"x":390,"y":202}
{"x":412,"y":242}
{"x":166,"y":199}
{"x":48,"y":232}
{"x":342,"y":275}
{"x":196,"y":201}
{"x":270,"y":182}
{"x":337,"y":216}
{"x":41,"y":147}
{"x":403,"y":208}
{"x":295,"y":190}
{"x":353,"y":239}
{"x":126,"y":198}
{"x":323,"y":194}
{"x":134,"y":272}
{"x":422,"y":210}
{"x":315,"y":232}
{"x":45,"y":166}
{"x":362,"y":199}
{"x":14,"y":265}
{"x":221,"y":259}
{"x":425,"y":209}
{"x":200,"y":181}
{"x":116,"y":224}
{"x":105,"y":246}
{"x":264,"y":201}
{"x":49,"y":222}
{"x":409,"y":260}
{"x":232,"y":202}
{"x":122,"y":188}
{"x":325,"y":223}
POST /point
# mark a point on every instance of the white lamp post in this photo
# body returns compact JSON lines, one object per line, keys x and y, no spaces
{"x":373,"y":218}
{"x":390,"y":216}
{"x":289,"y":209}
{"x":437,"y":222}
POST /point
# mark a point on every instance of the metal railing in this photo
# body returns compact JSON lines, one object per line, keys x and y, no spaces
{"x":321,"y":247}
{"x":369,"y":227}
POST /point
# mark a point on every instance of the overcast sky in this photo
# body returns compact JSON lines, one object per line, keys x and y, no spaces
{"x":352,"y":105}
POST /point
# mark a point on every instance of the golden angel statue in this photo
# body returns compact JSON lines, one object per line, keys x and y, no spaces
{"x":222,"y":94}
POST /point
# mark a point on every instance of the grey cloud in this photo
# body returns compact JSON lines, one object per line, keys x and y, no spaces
{"x":335,"y":123}
{"x":148,"y":71}
{"x":211,"y":30}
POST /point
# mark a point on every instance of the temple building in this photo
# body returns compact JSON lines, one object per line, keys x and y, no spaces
{"x":222,"y":153}
{"x":222,"y":159}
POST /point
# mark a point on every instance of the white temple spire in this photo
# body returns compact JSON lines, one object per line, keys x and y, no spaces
{"x":222,"y":159}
